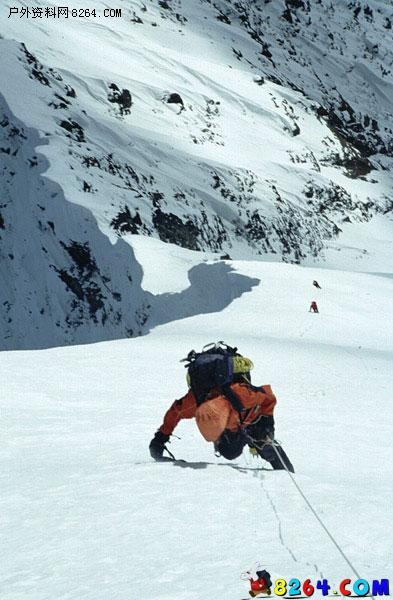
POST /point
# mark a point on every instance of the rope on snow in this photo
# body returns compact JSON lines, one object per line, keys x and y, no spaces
{"x":310,"y":506}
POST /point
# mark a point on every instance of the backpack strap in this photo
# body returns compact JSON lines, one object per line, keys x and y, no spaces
{"x":232,"y":397}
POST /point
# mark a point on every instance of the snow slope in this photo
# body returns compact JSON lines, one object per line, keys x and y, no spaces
{"x":87,"y":515}
{"x":281,"y":149}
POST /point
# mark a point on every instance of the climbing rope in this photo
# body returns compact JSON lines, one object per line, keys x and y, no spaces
{"x":270,"y":441}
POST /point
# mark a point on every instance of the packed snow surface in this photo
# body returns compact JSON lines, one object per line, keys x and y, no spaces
{"x":86,"y":514}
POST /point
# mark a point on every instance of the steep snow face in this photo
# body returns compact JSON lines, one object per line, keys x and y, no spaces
{"x":88,"y":515}
{"x":338,"y":54}
{"x":248,"y":129}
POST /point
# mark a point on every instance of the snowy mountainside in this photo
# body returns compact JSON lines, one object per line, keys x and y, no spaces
{"x":88,"y":515}
{"x":53,"y":243}
{"x":239,"y":128}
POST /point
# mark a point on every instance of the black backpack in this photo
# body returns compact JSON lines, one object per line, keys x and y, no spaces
{"x":212,"y":368}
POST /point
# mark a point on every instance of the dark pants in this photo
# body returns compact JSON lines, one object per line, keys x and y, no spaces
{"x":231,"y":443}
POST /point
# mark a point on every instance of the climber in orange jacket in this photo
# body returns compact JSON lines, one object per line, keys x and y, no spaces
{"x":231,"y":415}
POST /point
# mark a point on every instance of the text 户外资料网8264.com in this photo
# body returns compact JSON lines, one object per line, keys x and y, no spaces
{"x":62,"y":12}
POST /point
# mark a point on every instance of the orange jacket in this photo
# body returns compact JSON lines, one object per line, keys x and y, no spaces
{"x":257,"y":401}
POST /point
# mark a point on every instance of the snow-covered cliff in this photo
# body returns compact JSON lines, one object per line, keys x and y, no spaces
{"x":248,"y":129}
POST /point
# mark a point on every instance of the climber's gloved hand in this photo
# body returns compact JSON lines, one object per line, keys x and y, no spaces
{"x":157,"y":445}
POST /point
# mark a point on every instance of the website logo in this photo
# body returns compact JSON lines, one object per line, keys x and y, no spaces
{"x":261,"y":584}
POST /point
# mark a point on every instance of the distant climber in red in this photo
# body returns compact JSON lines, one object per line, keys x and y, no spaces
{"x":314,"y":307}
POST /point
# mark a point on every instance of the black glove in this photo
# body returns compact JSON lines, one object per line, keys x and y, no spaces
{"x":157,"y":445}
